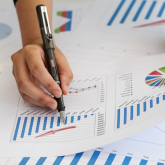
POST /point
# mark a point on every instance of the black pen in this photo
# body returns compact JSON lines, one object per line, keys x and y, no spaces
{"x":48,"y":44}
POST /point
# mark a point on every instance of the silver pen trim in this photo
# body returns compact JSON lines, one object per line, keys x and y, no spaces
{"x":62,"y":116}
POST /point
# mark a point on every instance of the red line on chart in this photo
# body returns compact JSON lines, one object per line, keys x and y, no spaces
{"x":152,"y":24}
{"x":54,"y":131}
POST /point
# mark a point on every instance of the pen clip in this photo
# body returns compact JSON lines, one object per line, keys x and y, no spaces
{"x":46,"y":23}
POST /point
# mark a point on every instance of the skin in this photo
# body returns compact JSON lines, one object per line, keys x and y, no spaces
{"x":29,"y":65}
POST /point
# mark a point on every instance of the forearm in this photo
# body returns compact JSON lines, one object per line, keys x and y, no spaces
{"x":26,"y":11}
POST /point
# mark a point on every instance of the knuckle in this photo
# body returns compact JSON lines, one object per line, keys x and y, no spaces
{"x":27,"y":48}
{"x":25,"y":98}
{"x":22,"y":86}
{"x":37,"y":69}
{"x":31,"y":50}
{"x":13,"y":57}
{"x":49,"y":85}
{"x":41,"y":100}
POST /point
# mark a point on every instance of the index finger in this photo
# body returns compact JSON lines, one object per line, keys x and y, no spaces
{"x":38,"y":70}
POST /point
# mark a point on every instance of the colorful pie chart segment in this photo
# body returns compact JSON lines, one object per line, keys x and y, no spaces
{"x":156,"y":78}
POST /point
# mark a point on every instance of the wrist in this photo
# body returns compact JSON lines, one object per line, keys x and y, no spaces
{"x":37,"y":41}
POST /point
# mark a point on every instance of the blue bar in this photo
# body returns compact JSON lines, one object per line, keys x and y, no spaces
{"x":31,"y":126}
{"x":126,"y":160}
{"x":38,"y":124}
{"x":125,"y":115}
{"x":150,"y":10}
{"x":24,"y":126}
{"x":143,"y":162}
{"x":157,"y":100}
{"x":94,"y":158}
{"x":116,"y":12}
{"x":163,"y":97}
{"x":51,"y":122}
{"x":58,"y":121}
{"x":138,"y":109}
{"x":58,"y":160}
{"x":16,"y":129}
{"x":139,"y":11}
{"x":160,"y":163}
{"x":85,"y":116}
{"x":68,"y":24}
{"x":161,"y":10}
{"x":110,"y":159}
{"x":41,"y":160}
{"x":131,"y":114}
{"x":76,"y":158}
{"x":128,"y":11}
{"x":118,"y":118}
{"x":24,"y":161}
{"x":66,"y":120}
{"x":144,"y":106}
{"x":79,"y":117}
{"x":72,"y":119}
{"x":151,"y":103}
{"x":45,"y":121}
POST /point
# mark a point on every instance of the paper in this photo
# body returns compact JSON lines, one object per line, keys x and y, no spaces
{"x":9,"y":30}
{"x":66,"y":17}
{"x":111,"y":23}
{"x":131,"y":151}
{"x":92,"y":121}
{"x":86,"y":109}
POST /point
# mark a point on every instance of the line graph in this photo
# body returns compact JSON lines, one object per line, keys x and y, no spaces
{"x":74,"y":90}
{"x":54,"y":131}
{"x":47,"y":126}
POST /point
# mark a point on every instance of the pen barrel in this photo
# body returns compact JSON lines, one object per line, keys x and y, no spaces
{"x":53,"y":70}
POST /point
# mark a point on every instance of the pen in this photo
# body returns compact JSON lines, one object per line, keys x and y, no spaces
{"x":48,"y":44}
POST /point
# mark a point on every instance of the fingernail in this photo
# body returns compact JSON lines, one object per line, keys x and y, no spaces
{"x":51,"y":106}
{"x":56,"y":93}
{"x":66,"y":88}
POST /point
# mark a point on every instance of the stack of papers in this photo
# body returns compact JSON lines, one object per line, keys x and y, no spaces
{"x":117,"y":90}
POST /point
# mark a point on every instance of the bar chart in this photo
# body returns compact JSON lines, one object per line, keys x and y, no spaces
{"x":45,"y":125}
{"x":82,"y":91}
{"x":93,"y":157}
{"x":136,"y":13}
{"x":138,"y":109}
{"x":66,"y":26}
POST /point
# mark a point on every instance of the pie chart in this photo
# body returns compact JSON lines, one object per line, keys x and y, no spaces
{"x":5,"y":30}
{"x":156,"y":78}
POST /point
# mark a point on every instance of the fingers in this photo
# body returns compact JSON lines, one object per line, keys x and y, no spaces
{"x":28,"y":99}
{"x":65,"y":72}
{"x":38,"y":70}
{"x":30,"y":92}
{"x":29,"y":65}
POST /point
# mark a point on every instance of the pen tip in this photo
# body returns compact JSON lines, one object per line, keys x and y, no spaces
{"x":62,"y":116}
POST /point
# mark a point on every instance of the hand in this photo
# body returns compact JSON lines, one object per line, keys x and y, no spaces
{"x":29,"y":70}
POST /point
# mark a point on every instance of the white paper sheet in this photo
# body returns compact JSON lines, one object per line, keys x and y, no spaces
{"x":20,"y":131}
{"x":94,"y":28}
